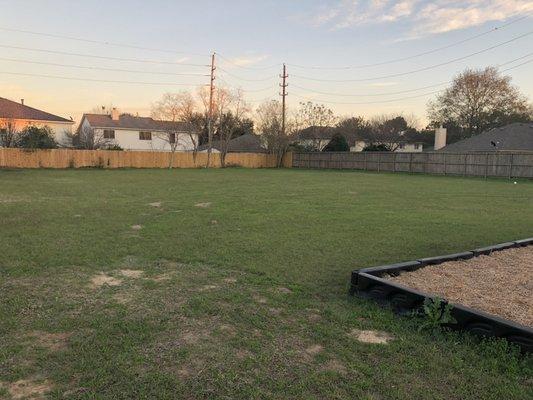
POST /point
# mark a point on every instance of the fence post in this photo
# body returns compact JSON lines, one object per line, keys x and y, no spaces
{"x":464,"y":171}
{"x":445,"y":163}
{"x":394,"y":162}
{"x":410,"y":163}
{"x":366,"y":154}
{"x":379,"y":162}
{"x":486,"y":164}
{"x":511,"y":166}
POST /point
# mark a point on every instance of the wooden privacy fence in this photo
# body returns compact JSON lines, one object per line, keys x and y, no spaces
{"x":497,"y":164}
{"x":69,"y":158}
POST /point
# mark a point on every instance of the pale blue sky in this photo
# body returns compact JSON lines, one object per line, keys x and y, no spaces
{"x":259,"y":36}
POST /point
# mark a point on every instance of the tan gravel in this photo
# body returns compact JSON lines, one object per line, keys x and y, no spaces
{"x":500,"y":284}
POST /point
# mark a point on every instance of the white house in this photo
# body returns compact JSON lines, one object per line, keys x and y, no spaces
{"x":14,"y":117}
{"x":318,"y":137}
{"x":139,"y":133}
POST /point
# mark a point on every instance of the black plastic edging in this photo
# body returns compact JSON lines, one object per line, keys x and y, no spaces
{"x":369,"y":283}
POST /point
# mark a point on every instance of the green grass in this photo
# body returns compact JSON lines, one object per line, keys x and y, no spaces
{"x":246,"y":298}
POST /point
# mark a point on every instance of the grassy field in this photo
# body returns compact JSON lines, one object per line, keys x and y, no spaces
{"x":233,"y":284}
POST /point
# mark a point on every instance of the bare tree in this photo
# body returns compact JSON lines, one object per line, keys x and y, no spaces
{"x":88,"y":138}
{"x":269,"y":125}
{"x":8,"y":132}
{"x":478,"y":100}
{"x":230,"y":118}
{"x":314,"y":118}
{"x":174,"y":109}
{"x":389,"y":131}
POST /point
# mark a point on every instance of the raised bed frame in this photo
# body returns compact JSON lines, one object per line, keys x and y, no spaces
{"x":368,"y":283}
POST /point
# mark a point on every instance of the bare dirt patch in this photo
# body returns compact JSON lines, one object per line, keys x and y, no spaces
{"x":50,"y":341}
{"x":136,"y":227}
{"x":500,"y":284}
{"x":284,"y":290}
{"x":103,"y":280}
{"x":131,"y":273}
{"x":314,"y":349}
{"x":203,"y":205}
{"x":376,"y":337}
{"x":156,"y":204}
{"x":230,"y":280}
{"x":29,"y":388}
{"x":334,"y":366}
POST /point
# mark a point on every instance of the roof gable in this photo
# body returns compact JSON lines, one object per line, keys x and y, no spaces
{"x":127,"y":121}
{"x":516,"y":137}
{"x":13,"y":110}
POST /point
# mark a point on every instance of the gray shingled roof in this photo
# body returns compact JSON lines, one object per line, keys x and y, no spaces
{"x":13,"y":110}
{"x":127,"y":121}
{"x":515,"y":137}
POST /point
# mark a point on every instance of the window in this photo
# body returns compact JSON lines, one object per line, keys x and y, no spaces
{"x":109,"y":134}
{"x":172,"y":138}
{"x":417,"y":146}
{"x":145,"y":135}
{"x":402,"y":145}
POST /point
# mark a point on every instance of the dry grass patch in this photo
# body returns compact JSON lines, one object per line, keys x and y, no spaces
{"x":375,"y":337}
{"x":32,"y":388}
{"x":131,"y":273}
{"x":50,"y":341}
{"x":203,"y":205}
{"x":103,"y":279}
{"x":136,"y":227}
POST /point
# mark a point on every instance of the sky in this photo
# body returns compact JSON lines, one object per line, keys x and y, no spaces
{"x":358,"y":57}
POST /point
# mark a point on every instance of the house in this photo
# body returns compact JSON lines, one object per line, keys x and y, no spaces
{"x":17,"y":116}
{"x":513,"y":137}
{"x":139,"y":133}
{"x":247,"y":143}
{"x":318,"y":137}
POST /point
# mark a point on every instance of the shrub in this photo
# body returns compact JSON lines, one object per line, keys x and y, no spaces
{"x":376,"y":147}
{"x":337,"y":143}
{"x":33,"y":137}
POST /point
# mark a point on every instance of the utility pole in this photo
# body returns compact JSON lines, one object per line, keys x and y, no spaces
{"x":210,"y":120}
{"x":283,"y":95}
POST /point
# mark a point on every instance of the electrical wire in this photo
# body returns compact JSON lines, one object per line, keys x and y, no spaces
{"x":246,"y":79}
{"x":397,"y":60}
{"x":65,"y":53}
{"x":100,"y":80}
{"x":101,"y":42}
{"x":398,"y":92}
{"x":247,"y":67}
{"x":100,"y":68}
{"x":417,"y":70}
{"x":398,"y":99}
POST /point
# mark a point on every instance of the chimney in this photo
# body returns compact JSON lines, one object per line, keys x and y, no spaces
{"x":440,"y":138}
{"x":114,"y":114}
{"x":22,"y":101}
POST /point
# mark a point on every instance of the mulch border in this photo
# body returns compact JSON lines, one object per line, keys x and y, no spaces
{"x":368,"y":283}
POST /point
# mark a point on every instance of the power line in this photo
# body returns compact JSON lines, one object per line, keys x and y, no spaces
{"x":245,"y":90}
{"x":102,"y":57}
{"x":100,"y":68}
{"x":246,"y":79}
{"x":401,"y":91}
{"x":420,"y":69}
{"x":397,"y":60}
{"x":101,"y":42}
{"x":247,"y":66}
{"x":100,"y":80}
{"x":401,"y":98}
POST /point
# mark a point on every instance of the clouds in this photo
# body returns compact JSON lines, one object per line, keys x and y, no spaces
{"x":424,"y":17}
{"x":244,"y":61}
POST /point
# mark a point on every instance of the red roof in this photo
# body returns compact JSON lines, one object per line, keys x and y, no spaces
{"x":13,"y":110}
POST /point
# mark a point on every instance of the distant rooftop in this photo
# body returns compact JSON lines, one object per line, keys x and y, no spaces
{"x":513,"y":137}
{"x":128,"y":121}
{"x":12,"y":110}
